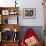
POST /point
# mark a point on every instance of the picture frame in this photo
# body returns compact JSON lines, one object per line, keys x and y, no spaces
{"x":29,"y":13}
{"x":5,"y":12}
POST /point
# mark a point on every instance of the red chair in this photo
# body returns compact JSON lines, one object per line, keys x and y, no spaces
{"x":29,"y":33}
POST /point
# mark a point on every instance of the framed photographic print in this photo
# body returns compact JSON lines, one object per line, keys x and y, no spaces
{"x":29,"y":13}
{"x":5,"y":12}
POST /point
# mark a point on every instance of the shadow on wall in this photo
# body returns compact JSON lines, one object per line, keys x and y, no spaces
{"x":37,"y":29}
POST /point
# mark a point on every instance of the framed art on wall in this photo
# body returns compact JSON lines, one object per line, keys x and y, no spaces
{"x":29,"y":13}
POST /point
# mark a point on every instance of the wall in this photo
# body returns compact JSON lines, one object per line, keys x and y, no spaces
{"x":27,"y":4}
{"x":7,"y":3}
{"x":39,"y":12}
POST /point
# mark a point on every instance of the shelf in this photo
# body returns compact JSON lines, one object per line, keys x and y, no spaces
{"x":10,"y":26}
{"x":9,"y":10}
{"x":7,"y":16}
{"x":11,"y":41}
{"x":9,"y":19}
{"x":6,"y":12}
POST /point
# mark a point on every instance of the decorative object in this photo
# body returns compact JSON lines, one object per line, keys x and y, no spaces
{"x":15,"y":30}
{"x":29,"y":13}
{"x":6,"y":21}
{"x":15,"y":3}
{"x":15,"y":37}
{"x":7,"y":34}
{"x":5,"y":12}
{"x":13,"y":12}
{"x":30,"y":38}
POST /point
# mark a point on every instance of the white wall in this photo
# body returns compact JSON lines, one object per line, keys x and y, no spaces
{"x":27,"y":4}
{"x":7,"y":3}
{"x":39,"y":12}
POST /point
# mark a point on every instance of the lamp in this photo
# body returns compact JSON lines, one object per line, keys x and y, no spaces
{"x":15,"y":30}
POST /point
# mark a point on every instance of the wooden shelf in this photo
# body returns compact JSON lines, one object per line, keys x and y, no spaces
{"x":10,"y":26}
{"x":8,"y":11}
{"x":4,"y":13}
{"x":9,"y":43}
{"x":3,"y":8}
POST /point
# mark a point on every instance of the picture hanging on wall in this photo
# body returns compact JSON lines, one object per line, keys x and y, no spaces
{"x":29,"y":13}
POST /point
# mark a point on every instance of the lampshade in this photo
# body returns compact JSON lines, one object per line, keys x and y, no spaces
{"x":15,"y":30}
